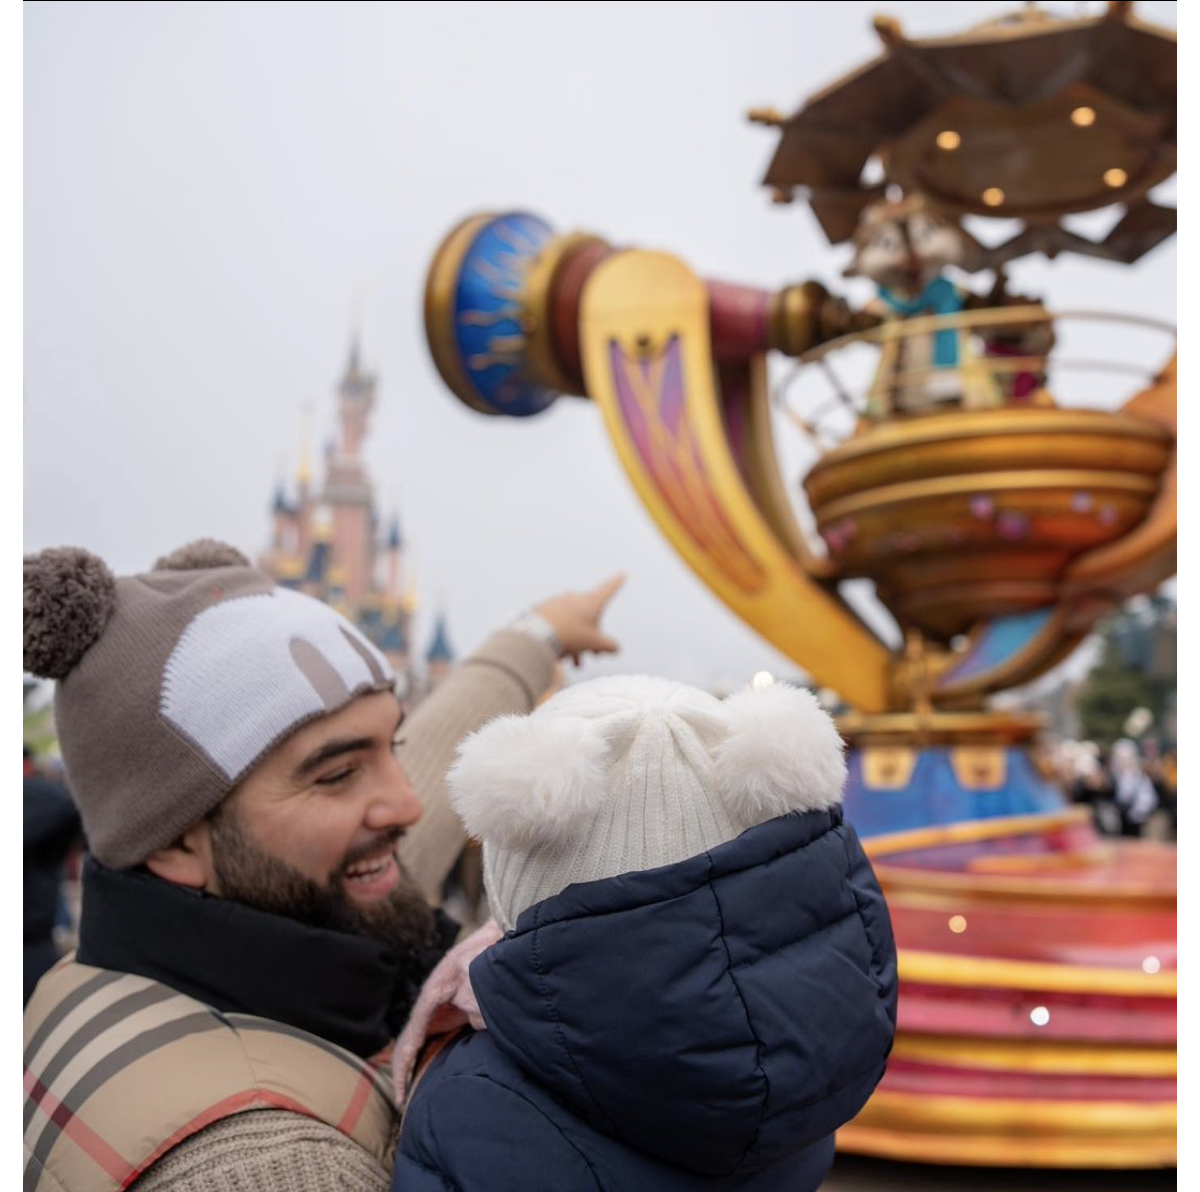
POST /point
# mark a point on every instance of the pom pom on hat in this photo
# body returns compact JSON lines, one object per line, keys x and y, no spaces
{"x":782,"y":754}
{"x":200,"y":555}
{"x":69,"y":595}
{"x":523,"y":781}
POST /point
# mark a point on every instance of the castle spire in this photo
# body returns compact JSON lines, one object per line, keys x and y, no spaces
{"x":439,"y":658}
{"x":392,"y":548}
{"x":304,"y":467}
{"x":440,"y":649}
{"x":410,"y":599}
{"x":353,"y":364}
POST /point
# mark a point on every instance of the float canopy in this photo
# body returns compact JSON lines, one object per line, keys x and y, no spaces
{"x":1031,"y":117}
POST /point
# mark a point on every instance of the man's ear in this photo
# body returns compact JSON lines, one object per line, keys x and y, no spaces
{"x":187,"y":862}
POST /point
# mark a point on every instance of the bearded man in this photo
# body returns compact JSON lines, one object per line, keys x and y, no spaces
{"x":267,"y":835}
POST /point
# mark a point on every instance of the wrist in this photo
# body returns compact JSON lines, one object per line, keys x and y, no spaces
{"x":534,"y":625}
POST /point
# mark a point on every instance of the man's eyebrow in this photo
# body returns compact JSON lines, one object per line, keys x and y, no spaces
{"x":332,"y":749}
{"x":328,"y":751}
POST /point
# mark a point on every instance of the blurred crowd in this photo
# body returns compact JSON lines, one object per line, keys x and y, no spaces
{"x":53,"y":840}
{"x":1130,"y":787}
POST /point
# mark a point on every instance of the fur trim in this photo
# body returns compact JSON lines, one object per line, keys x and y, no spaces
{"x":447,"y":1002}
{"x":782,"y":754}
{"x":522,"y":781}
{"x":69,"y":595}
{"x":201,"y":555}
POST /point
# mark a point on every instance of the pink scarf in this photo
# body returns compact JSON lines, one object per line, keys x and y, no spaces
{"x":447,"y":1003}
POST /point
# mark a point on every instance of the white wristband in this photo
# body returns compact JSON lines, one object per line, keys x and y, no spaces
{"x":536,"y":626}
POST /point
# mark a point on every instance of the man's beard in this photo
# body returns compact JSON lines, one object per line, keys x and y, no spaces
{"x":403,"y":920}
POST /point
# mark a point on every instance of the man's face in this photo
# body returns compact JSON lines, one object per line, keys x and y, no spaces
{"x":311,"y":833}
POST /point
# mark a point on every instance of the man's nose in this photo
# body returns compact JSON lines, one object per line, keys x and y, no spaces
{"x":396,"y":803}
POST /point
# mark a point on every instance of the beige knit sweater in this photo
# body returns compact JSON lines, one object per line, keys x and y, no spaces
{"x":276,"y":1151}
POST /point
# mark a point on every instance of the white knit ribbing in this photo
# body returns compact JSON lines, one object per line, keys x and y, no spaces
{"x":232,"y":686}
{"x":672,"y":772}
{"x":662,"y":807}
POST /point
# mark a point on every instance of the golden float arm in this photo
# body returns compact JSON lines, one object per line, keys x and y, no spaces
{"x":746,"y":322}
{"x":647,"y":359}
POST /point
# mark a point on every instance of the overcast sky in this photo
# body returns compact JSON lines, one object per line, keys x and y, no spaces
{"x":214,"y":191}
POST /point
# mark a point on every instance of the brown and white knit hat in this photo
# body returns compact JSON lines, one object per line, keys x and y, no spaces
{"x":622,"y":774}
{"x":172,"y":686}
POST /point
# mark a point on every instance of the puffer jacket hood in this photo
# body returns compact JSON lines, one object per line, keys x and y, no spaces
{"x":715,"y":1015}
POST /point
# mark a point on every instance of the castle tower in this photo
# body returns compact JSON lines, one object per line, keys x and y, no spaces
{"x":394,"y":547}
{"x":440,"y":656}
{"x":283,"y":524}
{"x":347,"y":488}
{"x":304,"y":498}
{"x":392,"y":639}
{"x":319,"y":562}
{"x":336,"y":592}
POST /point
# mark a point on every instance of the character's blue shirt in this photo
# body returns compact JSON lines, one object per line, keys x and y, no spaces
{"x":940,"y":297}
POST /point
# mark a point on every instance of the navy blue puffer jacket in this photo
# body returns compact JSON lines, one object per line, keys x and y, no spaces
{"x":706,"y":1025}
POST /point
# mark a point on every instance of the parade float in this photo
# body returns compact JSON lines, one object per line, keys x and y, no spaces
{"x":998,"y":514}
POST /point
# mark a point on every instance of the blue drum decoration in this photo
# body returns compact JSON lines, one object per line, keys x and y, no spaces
{"x":475,"y":317}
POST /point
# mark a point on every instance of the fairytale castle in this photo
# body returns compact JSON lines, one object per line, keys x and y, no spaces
{"x":327,"y":541}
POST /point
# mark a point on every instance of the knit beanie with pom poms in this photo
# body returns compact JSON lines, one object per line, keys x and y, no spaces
{"x":173,"y":685}
{"x":623,"y":774}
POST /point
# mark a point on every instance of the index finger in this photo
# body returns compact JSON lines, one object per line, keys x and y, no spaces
{"x":604,"y":592}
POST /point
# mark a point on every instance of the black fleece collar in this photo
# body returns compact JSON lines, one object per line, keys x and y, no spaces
{"x":353,"y":991}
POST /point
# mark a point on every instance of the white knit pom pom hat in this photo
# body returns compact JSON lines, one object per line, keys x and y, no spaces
{"x":627,"y":773}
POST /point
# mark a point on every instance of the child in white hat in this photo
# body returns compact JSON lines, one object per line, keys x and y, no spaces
{"x":691,"y":979}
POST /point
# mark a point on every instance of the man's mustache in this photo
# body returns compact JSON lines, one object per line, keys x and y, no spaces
{"x":388,"y":837}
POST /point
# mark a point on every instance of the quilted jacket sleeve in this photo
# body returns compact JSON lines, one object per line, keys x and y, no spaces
{"x":877,"y":922}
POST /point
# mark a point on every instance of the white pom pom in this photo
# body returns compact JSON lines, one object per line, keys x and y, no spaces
{"x":522,"y":781}
{"x":782,"y":754}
